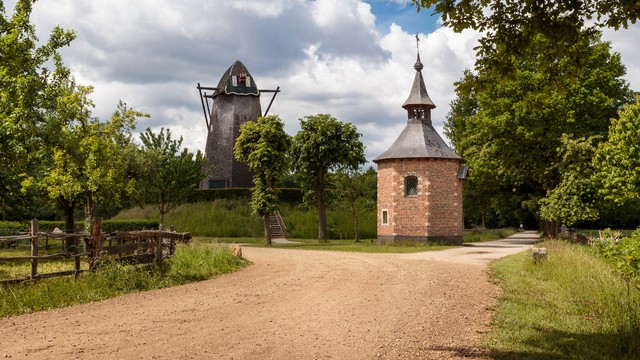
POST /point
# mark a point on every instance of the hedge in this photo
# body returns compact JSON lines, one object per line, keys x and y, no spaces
{"x":287,"y":195}
{"x":12,"y":227}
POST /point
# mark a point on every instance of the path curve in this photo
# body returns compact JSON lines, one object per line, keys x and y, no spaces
{"x":291,"y":304}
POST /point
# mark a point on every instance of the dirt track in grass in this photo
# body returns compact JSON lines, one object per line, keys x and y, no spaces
{"x":291,"y":304}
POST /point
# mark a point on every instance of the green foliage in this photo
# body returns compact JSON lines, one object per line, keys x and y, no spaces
{"x":91,"y":159}
{"x":356,"y":191}
{"x":325,"y":144}
{"x":218,"y":218}
{"x":509,"y":27}
{"x":10,"y":227}
{"x":574,"y":199}
{"x":479,"y":234}
{"x":31,"y":74}
{"x":233,"y":218}
{"x":302,"y":223}
{"x":624,"y":253}
{"x":169,"y":176}
{"x":203,"y":261}
{"x":263,"y":145}
{"x":618,"y":159}
{"x":572,"y":306}
{"x":190,"y":263}
{"x":510,"y":127}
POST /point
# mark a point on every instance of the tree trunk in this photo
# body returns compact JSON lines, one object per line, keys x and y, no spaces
{"x":322,"y":215}
{"x":88,"y":213}
{"x":267,"y":229}
{"x":549,"y":229}
{"x":356,"y":224}
{"x":69,"y":222}
{"x":162,"y":211}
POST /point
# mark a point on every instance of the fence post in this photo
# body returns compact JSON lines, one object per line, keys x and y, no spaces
{"x":34,"y":248}
{"x":159,"y":249}
{"x":96,"y":243}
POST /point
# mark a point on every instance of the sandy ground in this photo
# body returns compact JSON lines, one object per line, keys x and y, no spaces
{"x":291,"y":304}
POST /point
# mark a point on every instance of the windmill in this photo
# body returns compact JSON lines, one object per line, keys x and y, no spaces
{"x":232,"y":103}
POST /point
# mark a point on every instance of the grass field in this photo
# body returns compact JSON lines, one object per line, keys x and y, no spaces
{"x":367,"y":245}
{"x":190,"y":263}
{"x":572,"y":306}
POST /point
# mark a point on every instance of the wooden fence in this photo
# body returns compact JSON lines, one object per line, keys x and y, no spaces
{"x":127,"y":247}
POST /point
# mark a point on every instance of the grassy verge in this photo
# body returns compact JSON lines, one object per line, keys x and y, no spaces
{"x":190,"y":263}
{"x":365,"y":246}
{"x":481,"y":234}
{"x":570,"y":307}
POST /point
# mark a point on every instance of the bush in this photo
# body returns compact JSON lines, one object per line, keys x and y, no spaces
{"x":287,"y":195}
{"x":624,"y":253}
{"x":12,"y":227}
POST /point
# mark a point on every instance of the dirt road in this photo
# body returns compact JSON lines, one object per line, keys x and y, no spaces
{"x":290,"y":304}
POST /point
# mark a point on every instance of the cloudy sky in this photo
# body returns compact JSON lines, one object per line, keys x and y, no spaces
{"x":350,"y":58}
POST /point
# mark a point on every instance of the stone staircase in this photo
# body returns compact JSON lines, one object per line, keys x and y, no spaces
{"x":276,"y":224}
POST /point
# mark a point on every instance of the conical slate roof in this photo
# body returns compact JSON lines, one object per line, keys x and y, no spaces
{"x":237,"y":81}
{"x":418,"y":94}
{"x":418,"y":139}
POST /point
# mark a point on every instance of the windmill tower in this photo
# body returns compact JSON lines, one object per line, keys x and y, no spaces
{"x":235,"y":101}
{"x":419,"y":178}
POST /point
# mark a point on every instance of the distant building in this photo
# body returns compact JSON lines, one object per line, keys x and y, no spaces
{"x":419,"y":179}
{"x":236,"y":100}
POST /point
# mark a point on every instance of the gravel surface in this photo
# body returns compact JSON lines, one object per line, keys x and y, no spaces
{"x":291,"y":304}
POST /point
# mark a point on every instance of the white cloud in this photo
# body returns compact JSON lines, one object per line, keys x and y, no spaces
{"x":327,"y":56}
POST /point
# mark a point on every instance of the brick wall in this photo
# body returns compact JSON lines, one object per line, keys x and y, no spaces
{"x":435,"y":213}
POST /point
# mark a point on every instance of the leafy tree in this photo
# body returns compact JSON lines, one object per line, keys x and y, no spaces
{"x":510,"y":27}
{"x":575,"y":198}
{"x":509,"y":126}
{"x":356,"y":190}
{"x":324,"y":144}
{"x":90,"y":157}
{"x":30,"y":79}
{"x":264,"y":145}
{"x":618,"y":159}
{"x":169,"y":175}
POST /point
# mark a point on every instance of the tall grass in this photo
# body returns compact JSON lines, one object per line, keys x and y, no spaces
{"x":233,"y":218}
{"x":222,"y":217}
{"x":190,"y":263}
{"x":571,"y":306}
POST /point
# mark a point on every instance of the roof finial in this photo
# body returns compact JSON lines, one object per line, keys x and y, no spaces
{"x":418,"y":65}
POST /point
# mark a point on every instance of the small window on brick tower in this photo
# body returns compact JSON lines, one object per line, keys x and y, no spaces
{"x":411,"y":186}
{"x":385,"y":217}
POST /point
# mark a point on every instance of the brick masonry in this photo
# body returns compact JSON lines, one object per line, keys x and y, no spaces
{"x":435,"y":214}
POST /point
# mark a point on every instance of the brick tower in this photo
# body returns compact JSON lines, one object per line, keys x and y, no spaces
{"x":419,"y":179}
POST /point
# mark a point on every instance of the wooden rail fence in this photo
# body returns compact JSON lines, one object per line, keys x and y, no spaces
{"x":125,"y":246}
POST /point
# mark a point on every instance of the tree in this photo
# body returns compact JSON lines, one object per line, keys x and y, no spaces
{"x":575,"y":198}
{"x":30,"y":79}
{"x":90,"y":157}
{"x":324,"y":144}
{"x":617,"y":160}
{"x":169,"y":175}
{"x":509,"y":127}
{"x":510,"y":27}
{"x":356,"y":190}
{"x":264,"y":145}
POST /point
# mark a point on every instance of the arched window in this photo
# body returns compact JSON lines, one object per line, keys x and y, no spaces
{"x":411,"y":186}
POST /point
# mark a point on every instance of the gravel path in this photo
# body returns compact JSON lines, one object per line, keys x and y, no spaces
{"x":291,"y":304}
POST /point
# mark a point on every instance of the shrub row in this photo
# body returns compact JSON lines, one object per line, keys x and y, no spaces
{"x":287,"y":195}
{"x":13,"y":227}
{"x":623,"y":253}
